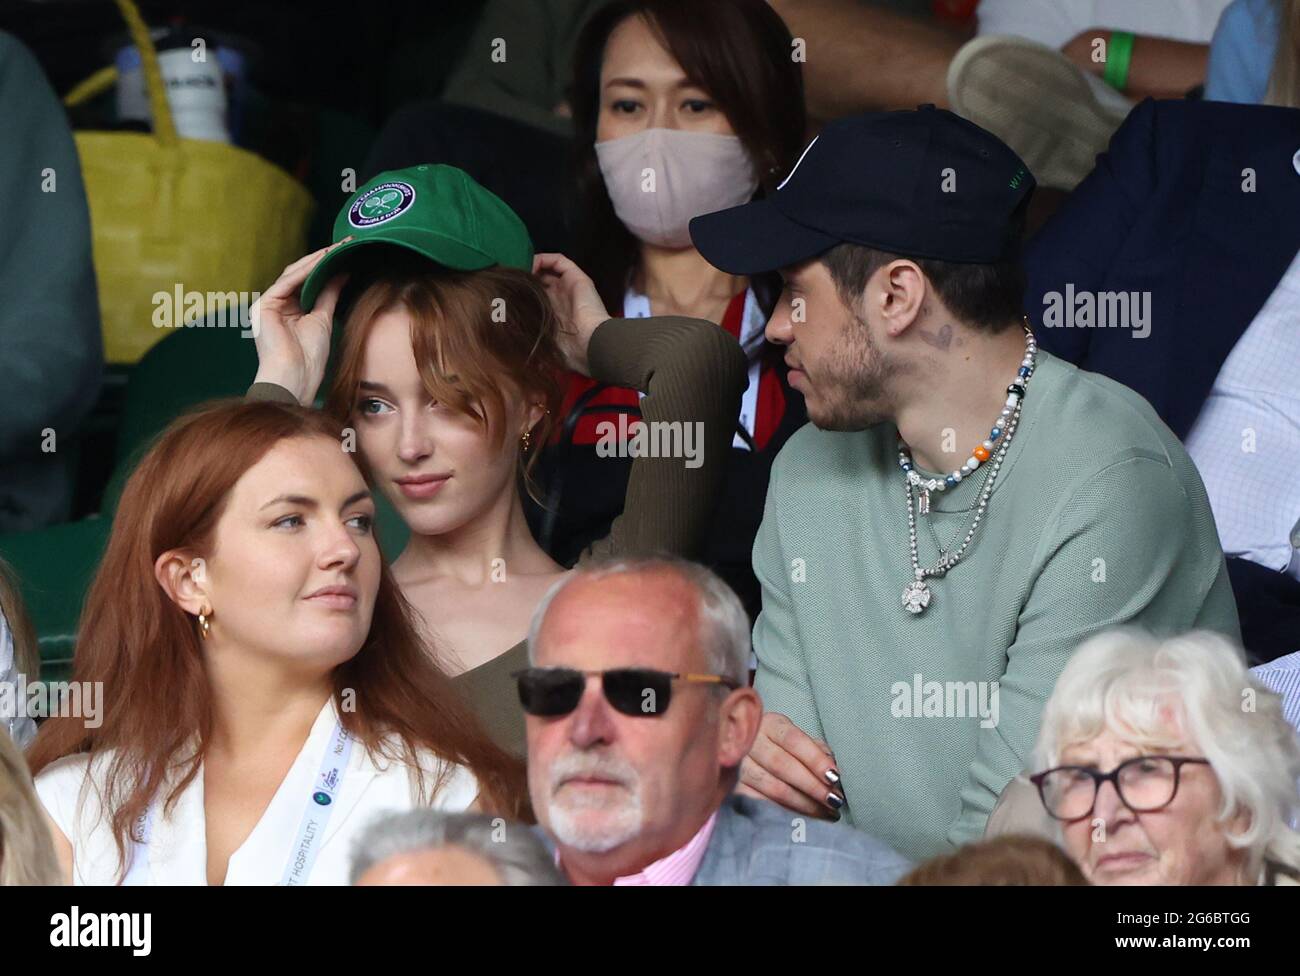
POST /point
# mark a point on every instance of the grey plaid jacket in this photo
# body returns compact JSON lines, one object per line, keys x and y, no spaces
{"x":760,"y":843}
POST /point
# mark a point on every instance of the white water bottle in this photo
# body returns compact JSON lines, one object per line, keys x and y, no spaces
{"x":195,"y":85}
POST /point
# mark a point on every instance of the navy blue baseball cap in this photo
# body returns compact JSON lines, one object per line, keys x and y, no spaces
{"x":923,"y":183}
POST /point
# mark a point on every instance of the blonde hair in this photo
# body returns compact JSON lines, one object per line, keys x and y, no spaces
{"x":1147,"y":689}
{"x":1284,"y":82}
{"x":26,"y":849}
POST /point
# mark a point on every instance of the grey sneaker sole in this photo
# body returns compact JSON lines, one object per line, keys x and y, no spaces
{"x":1037,"y":102}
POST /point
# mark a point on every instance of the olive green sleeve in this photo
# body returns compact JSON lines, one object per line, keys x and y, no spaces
{"x":693,"y":374}
{"x":270,"y":391}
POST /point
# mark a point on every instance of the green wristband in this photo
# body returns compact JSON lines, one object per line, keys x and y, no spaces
{"x":1118,"y":58}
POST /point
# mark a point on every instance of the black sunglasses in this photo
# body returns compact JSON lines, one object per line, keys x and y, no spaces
{"x":551,"y":692}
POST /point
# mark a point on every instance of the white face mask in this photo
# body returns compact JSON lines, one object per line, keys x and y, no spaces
{"x":658,"y":179}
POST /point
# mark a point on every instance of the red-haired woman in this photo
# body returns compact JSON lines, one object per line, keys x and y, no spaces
{"x":449,"y":399}
{"x":264,"y":688}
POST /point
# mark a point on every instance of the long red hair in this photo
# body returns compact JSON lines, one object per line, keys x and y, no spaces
{"x":146,"y":650}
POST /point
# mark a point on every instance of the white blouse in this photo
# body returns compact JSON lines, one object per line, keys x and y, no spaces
{"x":177,"y":849}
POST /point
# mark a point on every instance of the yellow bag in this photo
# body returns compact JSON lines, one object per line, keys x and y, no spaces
{"x":172,"y":216}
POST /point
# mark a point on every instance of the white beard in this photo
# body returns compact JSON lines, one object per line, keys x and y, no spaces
{"x":572,"y":829}
{"x":590,"y":823}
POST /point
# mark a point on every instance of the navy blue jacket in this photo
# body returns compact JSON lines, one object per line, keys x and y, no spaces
{"x":1167,"y":211}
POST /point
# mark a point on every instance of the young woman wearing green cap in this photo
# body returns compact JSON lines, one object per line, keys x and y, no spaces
{"x":450,"y":378}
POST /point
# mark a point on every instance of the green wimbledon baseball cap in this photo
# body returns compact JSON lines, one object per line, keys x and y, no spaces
{"x":436,"y":211}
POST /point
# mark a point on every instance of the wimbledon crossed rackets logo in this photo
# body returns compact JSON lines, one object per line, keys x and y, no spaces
{"x":381,"y":203}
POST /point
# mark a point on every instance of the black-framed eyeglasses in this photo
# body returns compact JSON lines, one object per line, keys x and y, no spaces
{"x":551,"y":692}
{"x":1144,"y":784}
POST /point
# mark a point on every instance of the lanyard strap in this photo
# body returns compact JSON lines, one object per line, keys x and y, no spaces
{"x":752,"y":323}
{"x":311,"y":827}
{"x":319,"y":806}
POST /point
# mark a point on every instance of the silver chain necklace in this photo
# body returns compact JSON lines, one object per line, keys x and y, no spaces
{"x":917,"y":594}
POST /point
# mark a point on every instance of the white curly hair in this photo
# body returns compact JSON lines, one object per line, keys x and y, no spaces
{"x":1127,"y":681}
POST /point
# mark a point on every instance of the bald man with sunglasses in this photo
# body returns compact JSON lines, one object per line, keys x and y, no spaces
{"x":639,"y":712}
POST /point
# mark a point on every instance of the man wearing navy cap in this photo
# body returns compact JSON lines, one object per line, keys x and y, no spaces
{"x":963,"y":510}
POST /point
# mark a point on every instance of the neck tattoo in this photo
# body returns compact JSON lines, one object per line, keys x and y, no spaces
{"x":917,"y":594}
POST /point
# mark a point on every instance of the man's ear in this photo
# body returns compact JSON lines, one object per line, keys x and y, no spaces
{"x":900,"y":289}
{"x":739,"y":719}
{"x":183,"y":577}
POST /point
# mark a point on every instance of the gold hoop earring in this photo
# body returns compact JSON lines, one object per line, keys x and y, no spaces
{"x":204,"y":627}
{"x":527,"y":441}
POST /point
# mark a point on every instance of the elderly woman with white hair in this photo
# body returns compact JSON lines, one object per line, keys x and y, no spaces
{"x":1165,"y":762}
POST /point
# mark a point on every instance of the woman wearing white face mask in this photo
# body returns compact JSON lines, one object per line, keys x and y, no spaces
{"x":680,"y":108}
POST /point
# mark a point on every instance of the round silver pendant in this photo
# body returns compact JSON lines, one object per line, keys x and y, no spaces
{"x":916,"y":596}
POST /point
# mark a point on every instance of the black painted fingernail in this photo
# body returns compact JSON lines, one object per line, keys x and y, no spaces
{"x":832,"y":777}
{"x":834,"y":801}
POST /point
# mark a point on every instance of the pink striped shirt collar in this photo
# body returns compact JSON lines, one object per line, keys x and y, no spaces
{"x":679,"y":867}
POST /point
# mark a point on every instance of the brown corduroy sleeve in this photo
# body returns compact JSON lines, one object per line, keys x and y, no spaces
{"x":693,"y":374}
{"x":270,"y":391}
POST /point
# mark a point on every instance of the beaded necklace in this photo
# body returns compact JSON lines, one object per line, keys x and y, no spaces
{"x":917,"y":594}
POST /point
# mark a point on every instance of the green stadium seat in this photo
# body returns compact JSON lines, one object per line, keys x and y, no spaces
{"x":186,"y":368}
{"x":54,"y":567}
{"x":393,"y":533}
